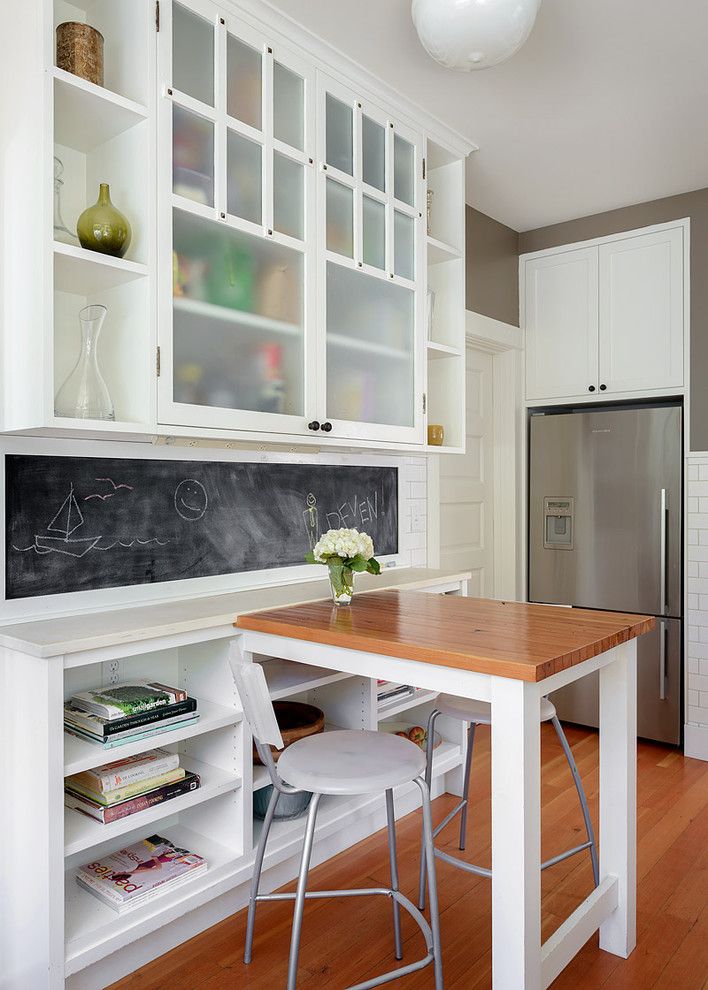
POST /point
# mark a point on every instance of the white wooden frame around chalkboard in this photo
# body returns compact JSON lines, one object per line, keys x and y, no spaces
{"x":88,"y":601}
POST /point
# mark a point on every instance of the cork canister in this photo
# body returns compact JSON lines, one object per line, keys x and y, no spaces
{"x":80,"y":51}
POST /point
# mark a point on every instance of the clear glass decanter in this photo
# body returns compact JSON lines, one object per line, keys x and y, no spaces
{"x":84,"y":394}
{"x":61,"y":231}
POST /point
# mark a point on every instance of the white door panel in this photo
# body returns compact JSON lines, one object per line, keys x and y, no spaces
{"x":561,"y":324}
{"x":466,"y":490}
{"x":641,"y":312}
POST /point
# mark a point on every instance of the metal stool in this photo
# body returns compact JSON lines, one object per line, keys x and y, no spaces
{"x":480,"y":713}
{"x":344,"y":762}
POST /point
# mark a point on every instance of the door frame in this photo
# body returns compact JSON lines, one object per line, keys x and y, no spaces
{"x":505,"y":343}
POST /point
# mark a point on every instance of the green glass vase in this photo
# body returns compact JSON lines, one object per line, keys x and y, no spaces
{"x":104,"y":228}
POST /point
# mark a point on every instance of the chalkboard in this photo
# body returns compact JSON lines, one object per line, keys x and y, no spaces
{"x":80,"y":523}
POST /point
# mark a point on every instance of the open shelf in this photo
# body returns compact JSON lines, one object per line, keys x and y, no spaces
{"x":439,"y":251}
{"x":87,"y":115}
{"x":94,"y":930}
{"x":196,"y":308}
{"x":436,"y":351}
{"x":82,"y":832}
{"x":82,"y":754}
{"x":286,"y":677}
{"x":396,"y":705}
{"x":83,"y":273}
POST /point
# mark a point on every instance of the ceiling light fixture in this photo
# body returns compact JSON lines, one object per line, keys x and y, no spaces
{"x":473,"y":34}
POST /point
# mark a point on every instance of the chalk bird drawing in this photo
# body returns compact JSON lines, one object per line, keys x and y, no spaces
{"x":116,"y":488}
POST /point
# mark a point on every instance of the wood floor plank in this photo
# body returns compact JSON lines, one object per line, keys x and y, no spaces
{"x":348,"y":941}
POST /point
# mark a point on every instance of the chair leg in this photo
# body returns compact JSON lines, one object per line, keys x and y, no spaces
{"x":581,"y":795}
{"x":428,"y":780}
{"x":301,"y":888}
{"x":256,"y":878}
{"x":466,"y":785}
{"x":391,"y":820}
{"x":432,"y":882}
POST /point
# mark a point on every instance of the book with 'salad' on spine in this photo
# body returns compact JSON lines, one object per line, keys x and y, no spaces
{"x":132,"y":876}
{"x":128,"y":698}
{"x":129,"y":770}
{"x":129,"y":790}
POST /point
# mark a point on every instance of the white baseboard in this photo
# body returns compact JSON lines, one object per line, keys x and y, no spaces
{"x":695,"y":741}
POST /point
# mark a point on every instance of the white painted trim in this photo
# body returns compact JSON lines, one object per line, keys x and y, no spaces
{"x":485,"y":332}
{"x":607,"y":239}
{"x":695,"y":741}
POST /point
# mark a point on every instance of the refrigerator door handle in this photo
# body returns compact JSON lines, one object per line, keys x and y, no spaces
{"x":662,"y":660}
{"x":664,"y":545}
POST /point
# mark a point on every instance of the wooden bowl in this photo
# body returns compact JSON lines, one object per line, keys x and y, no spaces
{"x":296,"y":720}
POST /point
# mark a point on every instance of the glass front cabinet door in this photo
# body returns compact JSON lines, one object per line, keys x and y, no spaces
{"x":237,"y":318}
{"x":370,"y":271}
{"x":290,"y":243}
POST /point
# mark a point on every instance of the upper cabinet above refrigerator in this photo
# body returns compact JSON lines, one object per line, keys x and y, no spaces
{"x":606,"y":318}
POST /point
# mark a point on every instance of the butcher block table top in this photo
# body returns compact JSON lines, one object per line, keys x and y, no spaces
{"x":506,"y":639}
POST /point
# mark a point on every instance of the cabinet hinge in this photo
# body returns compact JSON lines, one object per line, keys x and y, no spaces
{"x":157,"y":362}
{"x":157,"y":15}
{"x":424,"y":402}
{"x":424,"y":169}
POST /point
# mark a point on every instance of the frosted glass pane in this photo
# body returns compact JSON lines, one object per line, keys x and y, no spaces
{"x":403,"y":171}
{"x":340,"y":144}
{"x":237,"y":313}
{"x":374,"y":220}
{"x":243,"y":179}
{"x":403,"y":245}
{"x":192,"y":54}
{"x":244,"y":68}
{"x":373,"y":145}
{"x":370,"y":363}
{"x":288,"y":198}
{"x":192,"y":156}
{"x":340,"y":223}
{"x":288,"y":107}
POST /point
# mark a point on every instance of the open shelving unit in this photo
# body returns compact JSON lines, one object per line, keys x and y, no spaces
{"x":445,"y":346}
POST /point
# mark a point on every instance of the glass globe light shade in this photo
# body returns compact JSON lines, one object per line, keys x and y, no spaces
{"x":473,"y":34}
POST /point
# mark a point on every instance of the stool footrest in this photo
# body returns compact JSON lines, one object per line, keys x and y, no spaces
{"x":480,"y":871}
{"x":405,"y":903}
{"x":564,"y":855}
{"x":448,"y":818}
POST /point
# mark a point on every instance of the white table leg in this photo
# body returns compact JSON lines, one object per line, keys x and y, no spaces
{"x":516,"y":835}
{"x":618,"y":795}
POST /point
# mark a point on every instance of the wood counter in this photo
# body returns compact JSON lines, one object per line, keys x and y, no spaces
{"x":506,"y":639}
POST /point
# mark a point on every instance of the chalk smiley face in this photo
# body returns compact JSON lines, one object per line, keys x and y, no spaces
{"x":191,"y":499}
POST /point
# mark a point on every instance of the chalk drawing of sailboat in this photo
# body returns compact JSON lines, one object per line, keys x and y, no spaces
{"x":67,"y":520}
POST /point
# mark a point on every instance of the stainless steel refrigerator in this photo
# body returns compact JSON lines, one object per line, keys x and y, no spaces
{"x":605,"y":532}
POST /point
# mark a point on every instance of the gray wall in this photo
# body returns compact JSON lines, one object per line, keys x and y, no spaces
{"x":693,"y":205}
{"x":492,"y":283}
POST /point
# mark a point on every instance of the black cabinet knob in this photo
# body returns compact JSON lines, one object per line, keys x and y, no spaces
{"x":591,"y":388}
{"x":314,"y":425}
{"x":603,"y":388}
{"x":327,"y":427}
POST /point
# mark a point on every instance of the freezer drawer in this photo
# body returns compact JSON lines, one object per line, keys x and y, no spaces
{"x":658,"y":717}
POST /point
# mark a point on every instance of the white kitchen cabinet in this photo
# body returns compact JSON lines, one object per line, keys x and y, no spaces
{"x":641,"y":312}
{"x":606,"y":317}
{"x":561,"y":321}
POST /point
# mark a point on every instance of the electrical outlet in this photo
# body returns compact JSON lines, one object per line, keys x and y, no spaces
{"x":113,"y":672}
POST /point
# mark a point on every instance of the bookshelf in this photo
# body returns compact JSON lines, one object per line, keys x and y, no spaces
{"x":76,"y":937}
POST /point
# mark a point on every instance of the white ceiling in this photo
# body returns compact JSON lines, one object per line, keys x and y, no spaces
{"x":603,"y":107}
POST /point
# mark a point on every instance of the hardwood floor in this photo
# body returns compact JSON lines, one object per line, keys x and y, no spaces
{"x":348,"y":941}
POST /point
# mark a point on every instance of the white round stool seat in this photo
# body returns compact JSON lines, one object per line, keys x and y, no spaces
{"x":480,"y":712}
{"x":350,"y":762}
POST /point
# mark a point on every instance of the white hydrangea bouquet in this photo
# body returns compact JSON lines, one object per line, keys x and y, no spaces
{"x":344,"y":551}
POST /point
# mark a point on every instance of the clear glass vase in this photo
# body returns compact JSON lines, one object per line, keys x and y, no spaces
{"x":61,"y":231}
{"x":84,"y":394}
{"x":341,"y":580}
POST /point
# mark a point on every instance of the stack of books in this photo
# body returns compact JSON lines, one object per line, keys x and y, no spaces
{"x":388,"y":691}
{"x":122,"y":713}
{"x":133,"y":876}
{"x":125,"y":787}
